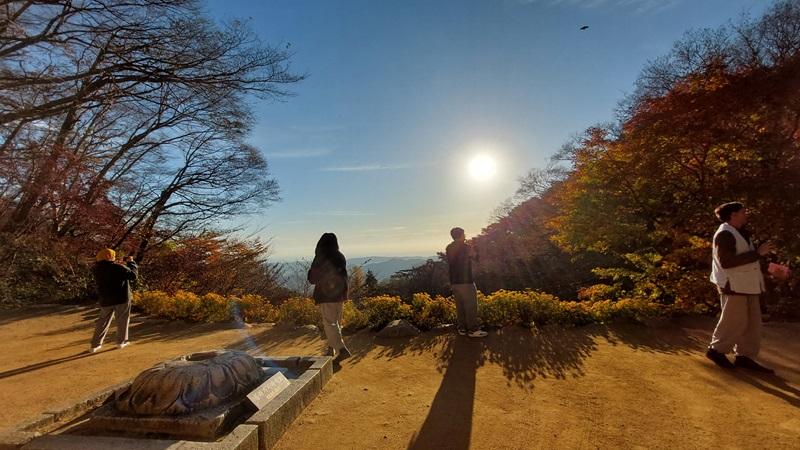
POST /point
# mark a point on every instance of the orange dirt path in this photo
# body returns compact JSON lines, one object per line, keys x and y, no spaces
{"x":599,"y":386}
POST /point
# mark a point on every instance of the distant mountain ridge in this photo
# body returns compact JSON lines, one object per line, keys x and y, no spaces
{"x":382,"y":266}
{"x":385,"y":266}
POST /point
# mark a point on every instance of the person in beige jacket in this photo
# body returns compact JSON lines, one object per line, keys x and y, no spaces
{"x":737,"y":271}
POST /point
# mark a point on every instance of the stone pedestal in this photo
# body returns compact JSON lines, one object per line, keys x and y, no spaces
{"x":254,"y":420}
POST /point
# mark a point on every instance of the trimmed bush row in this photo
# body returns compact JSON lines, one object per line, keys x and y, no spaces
{"x":502,"y":308}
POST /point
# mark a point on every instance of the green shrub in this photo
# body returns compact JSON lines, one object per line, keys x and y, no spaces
{"x":601,"y":311}
{"x":500,"y":308}
{"x":40,"y":270}
{"x":214,"y":308}
{"x":624,"y":309}
{"x":427,"y":312}
{"x":573,"y":313}
{"x":597,"y":292}
{"x":637,"y":309}
{"x":504,"y":308}
{"x":299,"y":311}
{"x":537,"y":308}
{"x":184,"y":305}
{"x":383,"y":309}
{"x":255,"y":308}
{"x":353,"y":319}
{"x":155,"y":303}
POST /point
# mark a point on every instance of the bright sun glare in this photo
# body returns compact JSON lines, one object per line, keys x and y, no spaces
{"x":482,"y":167}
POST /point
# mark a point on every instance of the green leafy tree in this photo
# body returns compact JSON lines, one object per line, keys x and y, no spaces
{"x":370,"y":284}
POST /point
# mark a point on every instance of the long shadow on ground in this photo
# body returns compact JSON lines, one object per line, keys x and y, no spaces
{"x":523,"y":355}
{"x":42,"y":365}
{"x":143,"y":329}
{"x":772,"y":384}
{"x":30,"y":312}
{"x":449,"y":421}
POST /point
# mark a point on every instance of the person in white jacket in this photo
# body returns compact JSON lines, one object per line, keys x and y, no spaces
{"x":737,"y":271}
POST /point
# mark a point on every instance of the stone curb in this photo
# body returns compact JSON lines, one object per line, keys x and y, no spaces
{"x":243,"y":437}
{"x":259,"y":432}
{"x":278,"y":415}
{"x":26,"y":431}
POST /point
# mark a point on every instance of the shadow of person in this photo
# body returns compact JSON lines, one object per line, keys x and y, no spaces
{"x":449,"y":421}
{"x":35,"y":311}
{"x":772,"y":384}
{"x":42,"y":365}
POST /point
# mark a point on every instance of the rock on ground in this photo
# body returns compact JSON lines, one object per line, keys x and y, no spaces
{"x":398,"y":328}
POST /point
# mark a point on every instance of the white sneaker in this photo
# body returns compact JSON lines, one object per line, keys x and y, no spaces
{"x":478,"y":334}
{"x":95,"y":349}
{"x":124,"y":344}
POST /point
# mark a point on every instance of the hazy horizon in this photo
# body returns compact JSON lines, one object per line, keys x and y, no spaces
{"x":350,"y":258}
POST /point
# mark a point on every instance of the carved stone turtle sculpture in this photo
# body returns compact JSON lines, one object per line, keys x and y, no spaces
{"x":191,"y":383}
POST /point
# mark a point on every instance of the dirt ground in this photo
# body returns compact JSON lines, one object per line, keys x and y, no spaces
{"x":619,"y":386}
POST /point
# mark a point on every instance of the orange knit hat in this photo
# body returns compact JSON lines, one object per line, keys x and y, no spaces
{"x":106,"y":254}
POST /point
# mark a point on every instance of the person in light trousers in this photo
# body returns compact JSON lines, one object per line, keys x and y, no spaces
{"x":328,"y":274}
{"x":738,"y":273}
{"x":113,"y":281}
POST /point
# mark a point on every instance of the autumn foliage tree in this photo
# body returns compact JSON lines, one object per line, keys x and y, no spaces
{"x":212,"y":262}
{"x":123,"y":124}
{"x":629,"y":205}
{"x":716,"y":120}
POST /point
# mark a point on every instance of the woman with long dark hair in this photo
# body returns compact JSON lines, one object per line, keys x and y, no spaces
{"x":328,"y":274}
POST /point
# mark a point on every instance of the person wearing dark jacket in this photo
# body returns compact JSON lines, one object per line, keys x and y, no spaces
{"x":114,"y":293}
{"x":328,"y":274}
{"x":459,"y":262}
{"x":738,"y":272}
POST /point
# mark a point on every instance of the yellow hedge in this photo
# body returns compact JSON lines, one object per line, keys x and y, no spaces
{"x":498,"y":309}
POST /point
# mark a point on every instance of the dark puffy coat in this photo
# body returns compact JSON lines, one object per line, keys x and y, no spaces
{"x":114,"y":282}
{"x":328,"y":274}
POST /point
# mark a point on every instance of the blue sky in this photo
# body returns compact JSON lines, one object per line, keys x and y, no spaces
{"x":401,"y":94}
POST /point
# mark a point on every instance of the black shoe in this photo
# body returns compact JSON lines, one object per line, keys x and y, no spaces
{"x":719,"y":358}
{"x":747,"y":363}
{"x":330,"y":352}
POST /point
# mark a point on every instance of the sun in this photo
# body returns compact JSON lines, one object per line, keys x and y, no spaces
{"x":482,"y":167}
